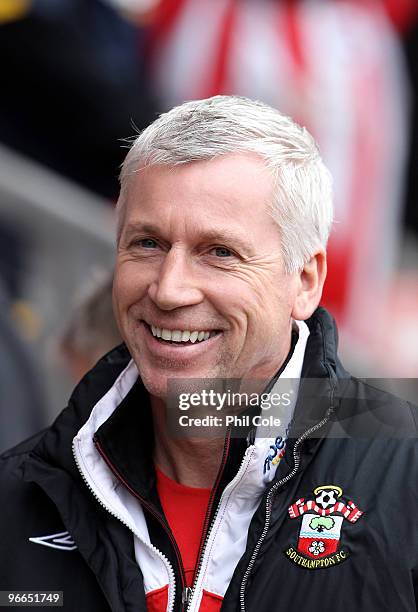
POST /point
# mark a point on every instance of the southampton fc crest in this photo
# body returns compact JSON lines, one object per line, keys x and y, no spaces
{"x":318,"y":543}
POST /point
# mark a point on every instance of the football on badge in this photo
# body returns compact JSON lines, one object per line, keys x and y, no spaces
{"x":327,"y":496}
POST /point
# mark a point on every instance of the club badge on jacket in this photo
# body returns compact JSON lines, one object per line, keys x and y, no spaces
{"x":323,"y":516}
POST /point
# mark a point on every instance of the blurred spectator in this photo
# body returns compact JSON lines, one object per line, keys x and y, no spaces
{"x":72,"y":84}
{"x":91,"y":331}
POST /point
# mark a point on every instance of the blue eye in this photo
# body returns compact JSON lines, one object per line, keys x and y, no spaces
{"x":222,"y":252}
{"x":148,"y":243}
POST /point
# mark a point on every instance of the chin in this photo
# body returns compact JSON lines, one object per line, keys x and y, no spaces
{"x":155,"y":383}
{"x":156,"y":389}
{"x":158,"y":383}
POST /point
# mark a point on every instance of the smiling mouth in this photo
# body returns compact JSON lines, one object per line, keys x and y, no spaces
{"x":180,"y":337}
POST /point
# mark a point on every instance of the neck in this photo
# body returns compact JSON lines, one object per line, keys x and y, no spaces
{"x":193,"y":462}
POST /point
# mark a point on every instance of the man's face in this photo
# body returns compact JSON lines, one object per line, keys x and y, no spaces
{"x":199,"y":252}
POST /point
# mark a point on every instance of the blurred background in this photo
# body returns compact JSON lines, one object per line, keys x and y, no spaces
{"x":80,"y":76}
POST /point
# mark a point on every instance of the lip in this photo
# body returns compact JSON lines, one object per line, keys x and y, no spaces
{"x":175,"y":351}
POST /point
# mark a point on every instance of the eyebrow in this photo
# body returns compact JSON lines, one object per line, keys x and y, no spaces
{"x":210,"y":235}
{"x":135,"y":228}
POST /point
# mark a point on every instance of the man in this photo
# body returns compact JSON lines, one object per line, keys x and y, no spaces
{"x":224,"y":214}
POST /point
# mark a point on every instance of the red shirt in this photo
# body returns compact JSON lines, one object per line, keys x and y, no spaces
{"x":185,"y":510}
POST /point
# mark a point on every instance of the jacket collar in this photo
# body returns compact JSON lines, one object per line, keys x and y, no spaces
{"x":121,"y":425}
{"x":323,"y":383}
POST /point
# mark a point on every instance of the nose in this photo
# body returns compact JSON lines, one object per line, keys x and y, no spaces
{"x":175,"y":285}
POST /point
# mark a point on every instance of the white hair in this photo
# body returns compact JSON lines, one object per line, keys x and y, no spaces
{"x":204,"y":129}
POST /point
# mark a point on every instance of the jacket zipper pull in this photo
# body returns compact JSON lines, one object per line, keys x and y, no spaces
{"x":251,"y":437}
{"x":186,"y":596}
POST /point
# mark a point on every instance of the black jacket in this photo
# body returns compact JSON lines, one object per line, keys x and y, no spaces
{"x":351,"y":437}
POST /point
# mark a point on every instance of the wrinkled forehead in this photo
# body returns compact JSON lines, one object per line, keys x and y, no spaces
{"x":232,"y":188}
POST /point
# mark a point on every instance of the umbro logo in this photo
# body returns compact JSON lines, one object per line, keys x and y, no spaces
{"x":61,"y":541}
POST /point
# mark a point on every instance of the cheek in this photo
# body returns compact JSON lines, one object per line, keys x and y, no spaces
{"x":129,"y":284}
{"x":122,"y":299}
{"x":269,"y":309}
{"x":244,"y":305}
{"x":120,"y":287}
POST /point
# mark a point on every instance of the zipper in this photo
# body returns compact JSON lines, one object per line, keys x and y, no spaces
{"x":150,"y":509}
{"x":166,"y":562}
{"x":189,"y":591}
{"x":269,"y":501}
{"x":207,"y":523}
{"x":186,"y":596}
{"x":245,"y":460}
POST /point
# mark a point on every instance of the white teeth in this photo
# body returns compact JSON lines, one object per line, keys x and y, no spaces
{"x":181,"y":336}
{"x":193,"y":336}
{"x":156,"y":331}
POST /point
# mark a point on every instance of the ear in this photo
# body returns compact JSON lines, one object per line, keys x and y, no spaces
{"x":311,"y":281}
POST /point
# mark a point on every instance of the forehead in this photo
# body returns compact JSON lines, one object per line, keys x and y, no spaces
{"x":235,"y":188}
